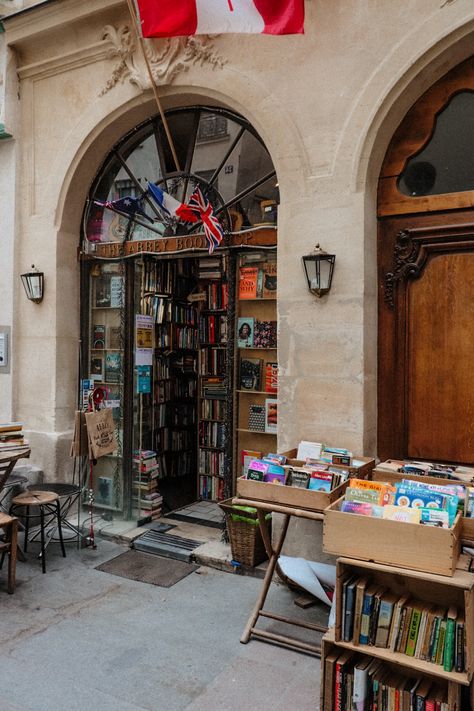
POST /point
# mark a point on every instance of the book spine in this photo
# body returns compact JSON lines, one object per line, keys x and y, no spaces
{"x":365,"y":619}
{"x":413,"y":632}
{"x":459,"y":646}
{"x":338,"y":688}
{"x":349,"y":614}
{"x":434,"y":644}
{"x":359,"y":694}
{"x":449,"y":645}
{"x":440,"y":647}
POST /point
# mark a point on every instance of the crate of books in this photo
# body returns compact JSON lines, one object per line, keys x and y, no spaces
{"x":437,"y":474}
{"x":307,"y":482}
{"x":271,"y":480}
{"x":245,"y":537}
{"x":338,"y":458}
{"x":410,"y":525}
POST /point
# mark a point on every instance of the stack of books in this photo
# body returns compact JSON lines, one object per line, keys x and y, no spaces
{"x":210,"y":268}
{"x":12,"y":437}
{"x":359,"y":682}
{"x":372,"y":615}
{"x":146,"y":471}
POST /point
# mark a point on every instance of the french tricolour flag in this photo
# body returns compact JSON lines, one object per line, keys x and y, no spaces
{"x":170,"y":18}
{"x":170,"y":205}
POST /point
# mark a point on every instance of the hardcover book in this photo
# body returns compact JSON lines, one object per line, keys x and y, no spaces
{"x":97,"y":367}
{"x":102,"y":292}
{"x":265,"y":334}
{"x":246,"y":456}
{"x":245,"y":332}
{"x":257,"y":418}
{"x":269,"y":280}
{"x":250,"y":373}
{"x":248,"y":280}
{"x":98,"y":337}
{"x":271,"y":416}
{"x":117,"y":287}
{"x":113,"y":367}
{"x":271,"y":378}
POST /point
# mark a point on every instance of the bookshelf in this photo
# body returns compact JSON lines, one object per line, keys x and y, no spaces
{"x":431,"y":594}
{"x":105,"y":364}
{"x":213,"y":387}
{"x":256,"y":355}
{"x":171,"y":409}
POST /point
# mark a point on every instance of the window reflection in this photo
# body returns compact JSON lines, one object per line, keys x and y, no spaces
{"x":446,"y":164}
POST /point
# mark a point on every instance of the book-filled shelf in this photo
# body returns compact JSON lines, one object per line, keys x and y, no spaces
{"x":256,"y":356}
{"x":105,"y":357}
{"x":213,"y":376}
{"x":402,"y":639}
{"x":166,"y":416}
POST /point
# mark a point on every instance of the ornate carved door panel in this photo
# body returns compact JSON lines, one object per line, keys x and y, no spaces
{"x":426,"y":338}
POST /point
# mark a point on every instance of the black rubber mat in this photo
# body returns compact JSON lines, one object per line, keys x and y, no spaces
{"x":148,"y":568}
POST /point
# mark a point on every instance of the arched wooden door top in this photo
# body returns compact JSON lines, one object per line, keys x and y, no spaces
{"x":411,"y":137}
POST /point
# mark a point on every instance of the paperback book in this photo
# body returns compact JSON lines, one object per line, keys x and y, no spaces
{"x":250,"y":373}
{"x":245,"y":332}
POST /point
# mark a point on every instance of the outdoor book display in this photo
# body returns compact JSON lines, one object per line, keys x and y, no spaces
{"x":439,"y":474}
{"x":312,"y":483}
{"x":402,"y":639}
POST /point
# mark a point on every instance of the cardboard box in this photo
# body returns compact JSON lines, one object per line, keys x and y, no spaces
{"x":406,"y":545}
{"x":288,"y":495}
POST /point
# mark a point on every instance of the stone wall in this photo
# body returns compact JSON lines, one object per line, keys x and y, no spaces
{"x":325,"y":103}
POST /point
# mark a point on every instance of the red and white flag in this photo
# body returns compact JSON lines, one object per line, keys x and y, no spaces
{"x":171,"y":18}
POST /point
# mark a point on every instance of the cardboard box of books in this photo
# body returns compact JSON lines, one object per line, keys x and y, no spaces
{"x":400,"y":543}
{"x":394,"y":470}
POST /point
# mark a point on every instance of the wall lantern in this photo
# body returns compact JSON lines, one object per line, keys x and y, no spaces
{"x":33,"y":283}
{"x":319,"y":267}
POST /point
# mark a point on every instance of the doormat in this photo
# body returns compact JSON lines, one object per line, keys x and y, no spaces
{"x":148,"y":568}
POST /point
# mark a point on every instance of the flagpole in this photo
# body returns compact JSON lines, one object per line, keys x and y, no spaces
{"x":141,"y":42}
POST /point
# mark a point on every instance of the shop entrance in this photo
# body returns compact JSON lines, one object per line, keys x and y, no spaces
{"x":426,"y":278}
{"x":158,"y":310}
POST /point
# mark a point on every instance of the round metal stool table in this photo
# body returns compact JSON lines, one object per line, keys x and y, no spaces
{"x":49,"y":508}
{"x":68,"y":495}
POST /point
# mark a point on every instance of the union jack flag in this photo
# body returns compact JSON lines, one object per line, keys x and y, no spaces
{"x":201,"y":206}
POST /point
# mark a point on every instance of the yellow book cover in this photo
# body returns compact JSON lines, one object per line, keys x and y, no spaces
{"x":387,"y":491}
{"x":401,"y":513}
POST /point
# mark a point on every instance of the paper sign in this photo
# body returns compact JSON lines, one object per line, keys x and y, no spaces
{"x":143,"y":379}
{"x":143,"y":340}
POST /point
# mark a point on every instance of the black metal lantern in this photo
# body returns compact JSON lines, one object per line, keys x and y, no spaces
{"x":33,"y":283}
{"x":319,"y":267}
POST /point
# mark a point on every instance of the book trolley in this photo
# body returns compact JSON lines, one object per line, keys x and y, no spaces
{"x":288,"y":501}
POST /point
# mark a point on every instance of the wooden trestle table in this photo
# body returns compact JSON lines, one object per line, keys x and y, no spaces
{"x":273,"y":552}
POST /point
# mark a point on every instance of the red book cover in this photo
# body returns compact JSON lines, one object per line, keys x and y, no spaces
{"x":248,"y":277}
{"x":212,"y":335}
{"x":271,"y":378}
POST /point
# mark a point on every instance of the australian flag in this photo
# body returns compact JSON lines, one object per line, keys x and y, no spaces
{"x":203,"y":209}
{"x":128,"y":206}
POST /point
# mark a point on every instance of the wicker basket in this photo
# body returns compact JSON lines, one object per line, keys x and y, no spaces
{"x":245,"y":538}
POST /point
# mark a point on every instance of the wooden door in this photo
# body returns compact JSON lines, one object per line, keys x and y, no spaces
{"x":426,"y":337}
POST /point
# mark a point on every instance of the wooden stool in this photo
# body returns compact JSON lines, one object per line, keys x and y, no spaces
{"x":10,"y":526}
{"x":48,"y":504}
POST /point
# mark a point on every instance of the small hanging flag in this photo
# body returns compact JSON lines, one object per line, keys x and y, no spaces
{"x":128,"y":206}
{"x":203,"y":209}
{"x":168,"y":18}
{"x":170,"y":205}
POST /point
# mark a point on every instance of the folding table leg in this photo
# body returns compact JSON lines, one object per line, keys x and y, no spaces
{"x":267,"y":579}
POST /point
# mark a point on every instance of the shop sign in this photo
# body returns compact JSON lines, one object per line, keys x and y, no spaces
{"x":254,"y":238}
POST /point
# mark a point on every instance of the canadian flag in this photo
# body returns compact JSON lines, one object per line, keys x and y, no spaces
{"x":171,"y":18}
